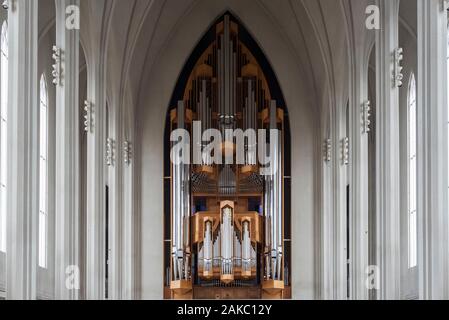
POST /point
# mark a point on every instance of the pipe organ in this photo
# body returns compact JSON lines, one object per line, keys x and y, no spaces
{"x":227,"y":201}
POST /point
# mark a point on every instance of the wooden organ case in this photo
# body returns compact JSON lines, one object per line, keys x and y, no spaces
{"x":227,"y":215}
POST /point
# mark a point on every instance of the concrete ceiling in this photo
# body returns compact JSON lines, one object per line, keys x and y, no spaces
{"x":133,"y":33}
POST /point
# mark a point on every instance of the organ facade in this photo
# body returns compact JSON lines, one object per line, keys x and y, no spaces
{"x":227,"y":209}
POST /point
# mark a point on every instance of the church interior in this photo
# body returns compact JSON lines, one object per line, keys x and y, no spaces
{"x":225,"y":149}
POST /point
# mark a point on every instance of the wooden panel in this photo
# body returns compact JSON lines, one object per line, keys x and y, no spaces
{"x":167,"y":293}
{"x":265,"y":115}
{"x":227,"y":293}
{"x":197,"y":222}
{"x":256,"y":223}
{"x":189,"y":116}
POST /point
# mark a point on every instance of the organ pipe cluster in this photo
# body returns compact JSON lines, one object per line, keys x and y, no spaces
{"x":227,"y":219}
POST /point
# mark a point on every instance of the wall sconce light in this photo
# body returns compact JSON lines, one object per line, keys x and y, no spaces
{"x":56,"y":72}
{"x":328,"y":150}
{"x":110,"y":151}
{"x":398,"y":76}
{"x":88,"y":116}
{"x":345,"y":151}
{"x":127,"y":152}
{"x":366,"y":115}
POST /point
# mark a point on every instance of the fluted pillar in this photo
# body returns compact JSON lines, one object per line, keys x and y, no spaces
{"x":115,"y":216}
{"x":359,"y":119}
{"x":67,"y":157}
{"x":433,"y":182}
{"x":387,"y":152}
{"x":96,"y":197}
{"x":23,"y":158}
{"x":358,"y":203}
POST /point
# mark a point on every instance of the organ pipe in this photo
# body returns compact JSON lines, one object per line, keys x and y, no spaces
{"x":227,"y":246}
{"x":208,"y":248}
{"x":246,"y":248}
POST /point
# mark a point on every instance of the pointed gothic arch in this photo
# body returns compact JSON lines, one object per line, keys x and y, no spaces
{"x":202,"y":94}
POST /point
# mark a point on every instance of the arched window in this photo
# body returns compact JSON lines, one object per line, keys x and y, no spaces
{"x":412,"y":167}
{"x":43,"y":139}
{"x":3,"y":131}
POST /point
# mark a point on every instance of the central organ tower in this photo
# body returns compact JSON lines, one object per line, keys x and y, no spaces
{"x":226,"y":234}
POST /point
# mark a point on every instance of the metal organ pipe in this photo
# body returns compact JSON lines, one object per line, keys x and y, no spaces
{"x":251,"y":102}
{"x":175,"y":223}
{"x":246,"y":247}
{"x":226,"y":66}
{"x":279,"y":208}
{"x":219,"y":76}
{"x":208,"y":247}
{"x":234,"y":84}
{"x":181,"y":113}
{"x":267,"y":210}
{"x":273,"y":177}
{"x":186,"y":219}
{"x":202,"y":109}
{"x":227,"y":231}
{"x":181,"y":211}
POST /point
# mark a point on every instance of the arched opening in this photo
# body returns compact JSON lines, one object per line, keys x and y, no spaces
{"x":227,"y":173}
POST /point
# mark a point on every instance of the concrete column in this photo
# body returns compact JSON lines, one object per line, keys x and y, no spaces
{"x":340,"y":176}
{"x":359,"y":133}
{"x":115,"y":221}
{"x":326,"y":217}
{"x":358,"y":201}
{"x":129,"y":203}
{"x":67,"y":249}
{"x":432,"y":151}
{"x":96,"y":197}
{"x":23,"y":156}
{"x":387,"y":149}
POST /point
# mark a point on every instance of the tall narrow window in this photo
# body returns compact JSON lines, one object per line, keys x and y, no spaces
{"x":412,"y":187}
{"x":43,"y":134}
{"x":3,"y":131}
